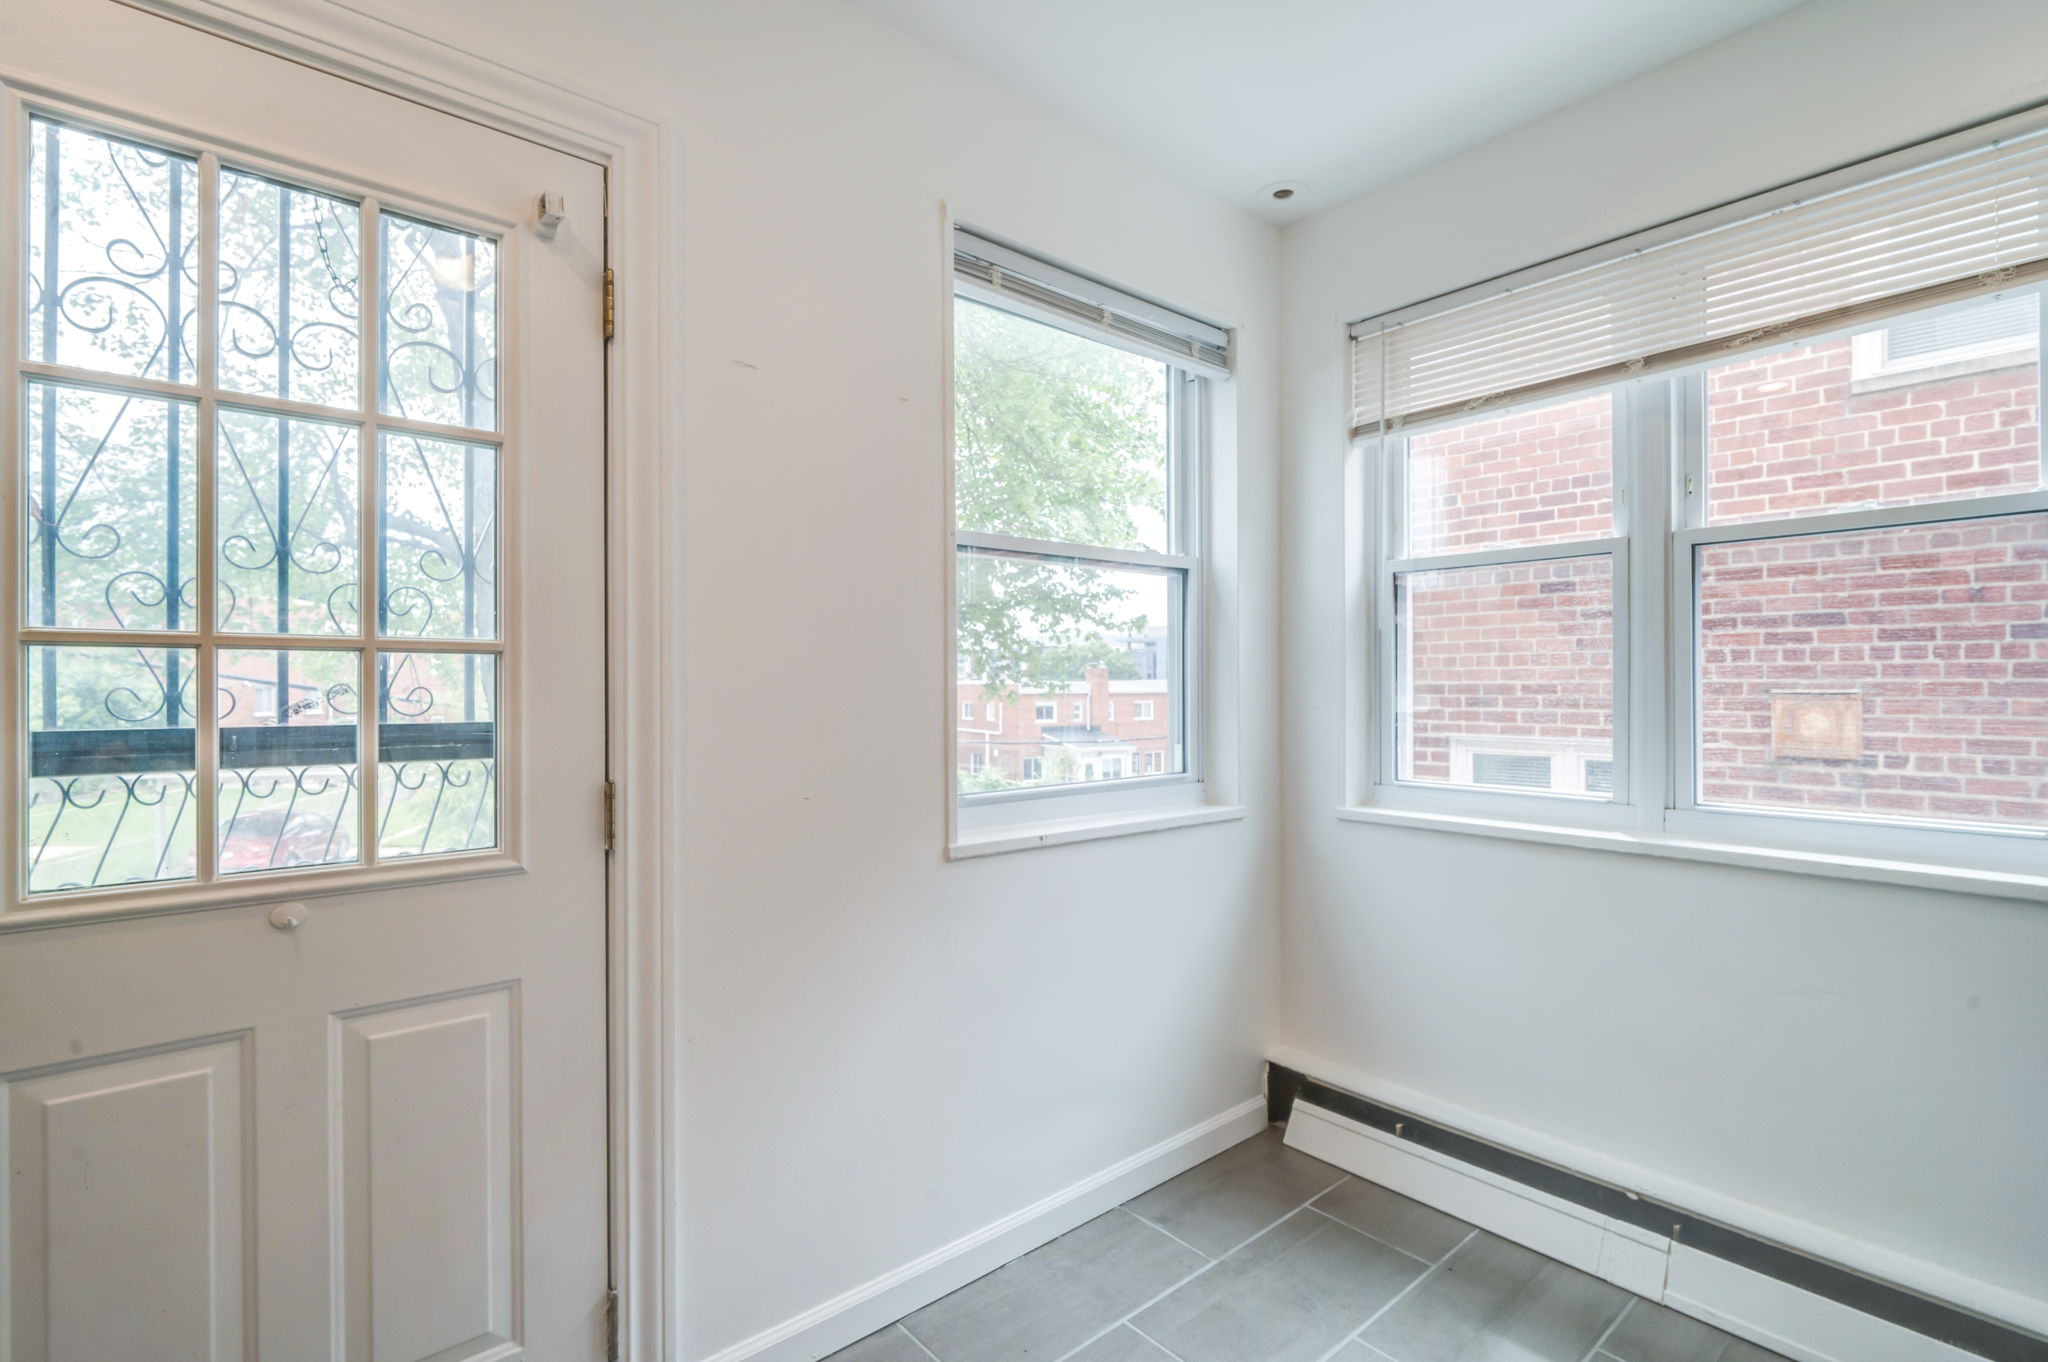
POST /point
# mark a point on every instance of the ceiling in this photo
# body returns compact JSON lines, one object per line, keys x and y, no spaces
{"x":1331,"y":97}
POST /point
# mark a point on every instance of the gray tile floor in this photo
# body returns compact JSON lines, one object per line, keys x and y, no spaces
{"x":1264,"y":1254}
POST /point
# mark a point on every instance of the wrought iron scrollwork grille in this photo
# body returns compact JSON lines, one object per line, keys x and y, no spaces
{"x":248,"y":478}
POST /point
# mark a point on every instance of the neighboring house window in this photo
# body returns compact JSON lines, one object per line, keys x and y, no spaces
{"x":1141,"y":709}
{"x":975,"y":761}
{"x":1110,"y":717}
{"x":1951,"y":342}
{"x":1516,"y":770}
{"x":1112,"y":768}
{"x":1077,"y":448}
{"x":967,"y":710}
{"x":992,"y":712}
{"x":1819,"y":567}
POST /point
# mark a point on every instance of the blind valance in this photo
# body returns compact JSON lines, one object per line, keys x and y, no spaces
{"x":1969,"y":221}
{"x":1012,"y":279}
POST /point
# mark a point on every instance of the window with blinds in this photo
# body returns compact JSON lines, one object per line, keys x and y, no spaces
{"x":1731,"y":534}
{"x":1078,"y":439}
{"x":1972,"y":220}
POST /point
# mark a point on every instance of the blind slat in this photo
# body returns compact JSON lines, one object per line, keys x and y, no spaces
{"x":1972,"y":221}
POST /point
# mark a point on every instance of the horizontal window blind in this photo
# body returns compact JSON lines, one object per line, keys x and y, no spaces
{"x":1972,"y":222}
{"x":1038,"y":288}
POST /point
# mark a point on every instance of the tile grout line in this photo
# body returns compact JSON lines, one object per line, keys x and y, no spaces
{"x":1153,"y":1341}
{"x":1593,"y":1352}
{"x":1399,"y":1296}
{"x":1375,"y":1238}
{"x":1111,"y":1328}
{"x":916,"y":1342}
{"x":1291,"y":1212}
{"x":1165,"y":1231}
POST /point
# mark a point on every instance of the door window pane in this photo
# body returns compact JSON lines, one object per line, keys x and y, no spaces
{"x":112,"y":254}
{"x":440,"y":524}
{"x":1534,"y":477}
{"x":287,"y":791}
{"x":440,"y":324}
{"x":1895,"y":673}
{"x":286,"y":496}
{"x":1523,"y":652}
{"x":1057,"y":437}
{"x":110,"y":768}
{"x":437,"y":739}
{"x":1938,"y":407}
{"x":1049,"y":640}
{"x":111,"y":538}
{"x":289,"y":283}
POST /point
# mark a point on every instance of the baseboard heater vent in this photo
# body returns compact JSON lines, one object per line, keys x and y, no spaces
{"x":1635,"y":1242}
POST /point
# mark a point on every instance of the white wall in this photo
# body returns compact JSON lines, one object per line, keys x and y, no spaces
{"x":1867,"y":1061}
{"x":884,"y":1051}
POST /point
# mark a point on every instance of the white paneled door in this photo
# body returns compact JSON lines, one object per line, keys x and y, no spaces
{"x":302,"y":962}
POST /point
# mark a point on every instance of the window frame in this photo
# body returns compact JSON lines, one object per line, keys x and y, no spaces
{"x":209,"y":396}
{"x":1661,"y":501}
{"x":1189,"y":397}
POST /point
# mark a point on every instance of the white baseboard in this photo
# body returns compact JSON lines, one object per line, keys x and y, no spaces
{"x":1764,"y":1310}
{"x":831,"y":1325}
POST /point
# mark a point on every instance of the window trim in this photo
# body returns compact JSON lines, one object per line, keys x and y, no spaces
{"x":1661,"y":506}
{"x":208,"y":395}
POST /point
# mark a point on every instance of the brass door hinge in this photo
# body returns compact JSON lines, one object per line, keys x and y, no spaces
{"x":611,"y":815}
{"x":611,"y":306}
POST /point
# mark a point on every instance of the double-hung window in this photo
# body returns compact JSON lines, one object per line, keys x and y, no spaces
{"x":1735,"y":536}
{"x":1078,"y":435}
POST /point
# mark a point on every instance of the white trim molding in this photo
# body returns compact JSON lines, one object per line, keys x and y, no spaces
{"x":854,"y":1314}
{"x":643,"y":651}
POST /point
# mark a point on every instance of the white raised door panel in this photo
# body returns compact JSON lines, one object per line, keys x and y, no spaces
{"x":427,"y":1147}
{"x":381,"y":1134}
{"x":125,"y":1234}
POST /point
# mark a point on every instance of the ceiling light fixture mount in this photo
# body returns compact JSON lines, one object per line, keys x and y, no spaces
{"x":1281,"y":191}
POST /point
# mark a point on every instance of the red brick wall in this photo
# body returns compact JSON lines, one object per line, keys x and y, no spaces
{"x":1518,"y":652}
{"x":1942,"y":631}
{"x":1537,"y":477}
{"x":1789,"y":435}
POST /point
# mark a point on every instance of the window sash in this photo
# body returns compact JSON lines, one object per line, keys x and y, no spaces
{"x":1181,"y":676}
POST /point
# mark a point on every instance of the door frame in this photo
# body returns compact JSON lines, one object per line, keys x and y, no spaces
{"x":643,"y":671}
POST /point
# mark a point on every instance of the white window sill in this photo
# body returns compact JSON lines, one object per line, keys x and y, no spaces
{"x":994,"y":841}
{"x":2002,"y":884}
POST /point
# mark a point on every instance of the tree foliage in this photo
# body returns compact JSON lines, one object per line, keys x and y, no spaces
{"x":1056,"y":438}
